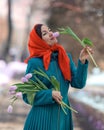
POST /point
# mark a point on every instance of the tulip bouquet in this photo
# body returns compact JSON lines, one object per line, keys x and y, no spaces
{"x":30,"y":87}
{"x":84,"y":42}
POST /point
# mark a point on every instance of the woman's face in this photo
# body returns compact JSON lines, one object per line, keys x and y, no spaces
{"x":47,"y":35}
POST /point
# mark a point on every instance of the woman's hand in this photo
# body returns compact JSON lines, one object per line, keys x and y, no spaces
{"x":57,"y":96}
{"x":84,"y":54}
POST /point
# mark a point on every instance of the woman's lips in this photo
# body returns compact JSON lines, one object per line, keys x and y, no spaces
{"x":52,"y":38}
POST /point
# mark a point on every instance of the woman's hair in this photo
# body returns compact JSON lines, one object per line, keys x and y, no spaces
{"x":38,"y":30}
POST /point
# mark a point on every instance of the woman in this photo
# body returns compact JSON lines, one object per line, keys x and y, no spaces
{"x":48,"y":55}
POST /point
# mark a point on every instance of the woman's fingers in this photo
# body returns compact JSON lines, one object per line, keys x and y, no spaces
{"x":85,"y":53}
{"x":90,"y":50}
{"x":58,"y":101}
{"x":57,"y":96}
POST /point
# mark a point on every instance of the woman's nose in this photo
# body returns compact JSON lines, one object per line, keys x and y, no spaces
{"x":50,"y":34}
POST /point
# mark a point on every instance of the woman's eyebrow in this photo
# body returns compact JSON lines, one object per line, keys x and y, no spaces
{"x":46,"y":30}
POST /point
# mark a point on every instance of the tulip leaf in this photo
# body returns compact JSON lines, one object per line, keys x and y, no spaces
{"x":41,"y":84}
{"x":30,"y":97}
{"x":87,"y":41}
{"x":41,"y":73}
{"x":55,"y":83}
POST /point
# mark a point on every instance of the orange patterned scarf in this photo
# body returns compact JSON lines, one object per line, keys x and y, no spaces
{"x":39,"y":48}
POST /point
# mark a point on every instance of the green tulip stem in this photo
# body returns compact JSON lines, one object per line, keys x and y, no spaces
{"x":92,"y":58}
{"x":70,"y":32}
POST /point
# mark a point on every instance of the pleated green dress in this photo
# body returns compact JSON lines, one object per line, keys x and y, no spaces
{"x":45,"y":113}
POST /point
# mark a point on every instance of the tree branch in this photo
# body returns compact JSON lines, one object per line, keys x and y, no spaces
{"x":67,"y":6}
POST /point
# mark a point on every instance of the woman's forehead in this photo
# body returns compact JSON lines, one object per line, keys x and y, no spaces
{"x":44,"y":28}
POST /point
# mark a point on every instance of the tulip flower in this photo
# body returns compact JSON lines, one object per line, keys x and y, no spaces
{"x":19,"y":94}
{"x":56,"y":34}
{"x":24,"y":79}
{"x":13,"y":88}
{"x":28,"y":76}
{"x":10,"y":109}
{"x":12,"y":92}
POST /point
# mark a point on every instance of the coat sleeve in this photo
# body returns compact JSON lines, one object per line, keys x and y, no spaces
{"x":79,"y":73}
{"x":42,"y":97}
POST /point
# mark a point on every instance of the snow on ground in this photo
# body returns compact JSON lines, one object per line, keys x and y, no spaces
{"x":96,"y":102}
{"x":96,"y":78}
{"x":15,"y":67}
{"x":10,"y":70}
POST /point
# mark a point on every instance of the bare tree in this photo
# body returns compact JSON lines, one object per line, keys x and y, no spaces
{"x":9,"y":37}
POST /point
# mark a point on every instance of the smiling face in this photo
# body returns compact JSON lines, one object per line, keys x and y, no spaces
{"x":47,"y":35}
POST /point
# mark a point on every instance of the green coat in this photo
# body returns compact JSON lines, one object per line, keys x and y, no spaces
{"x":45,"y":113}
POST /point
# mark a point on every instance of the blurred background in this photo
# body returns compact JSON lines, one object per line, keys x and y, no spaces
{"x":86,"y":18}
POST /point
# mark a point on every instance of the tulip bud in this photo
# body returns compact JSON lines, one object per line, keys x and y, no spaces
{"x":13,"y":88}
{"x":56,"y":34}
{"x":23,"y":79}
{"x":10,"y":109}
{"x":19,"y":95}
{"x":28,"y":76}
{"x":12,"y":92}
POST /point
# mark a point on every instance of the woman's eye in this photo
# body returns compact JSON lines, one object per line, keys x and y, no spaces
{"x":44,"y":34}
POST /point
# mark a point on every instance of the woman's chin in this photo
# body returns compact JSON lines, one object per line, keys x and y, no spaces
{"x":53,"y":43}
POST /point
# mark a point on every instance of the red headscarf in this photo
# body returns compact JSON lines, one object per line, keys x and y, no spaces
{"x":39,"y":48}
